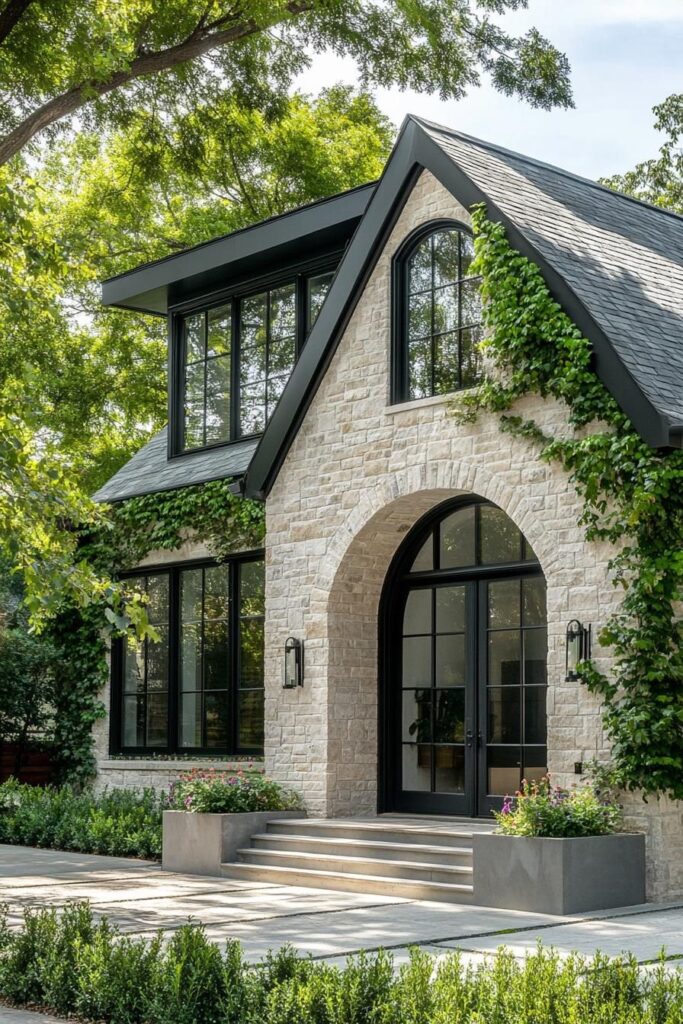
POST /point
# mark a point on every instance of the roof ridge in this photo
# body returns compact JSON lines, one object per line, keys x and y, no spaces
{"x":524,"y":158}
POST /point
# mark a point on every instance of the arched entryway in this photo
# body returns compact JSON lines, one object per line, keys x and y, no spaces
{"x":463,"y":650}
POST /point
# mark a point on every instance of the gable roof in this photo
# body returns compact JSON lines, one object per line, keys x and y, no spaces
{"x":150,"y":470}
{"x":614,"y":264}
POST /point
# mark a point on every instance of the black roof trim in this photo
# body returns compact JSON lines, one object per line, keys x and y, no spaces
{"x":145,"y":288}
{"x":414,"y":151}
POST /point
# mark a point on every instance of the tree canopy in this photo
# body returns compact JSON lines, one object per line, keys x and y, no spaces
{"x":133,"y":129}
{"x":660,"y":179}
{"x":102,"y":60}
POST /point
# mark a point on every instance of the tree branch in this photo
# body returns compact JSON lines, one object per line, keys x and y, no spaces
{"x":195,"y":45}
{"x":10,"y":15}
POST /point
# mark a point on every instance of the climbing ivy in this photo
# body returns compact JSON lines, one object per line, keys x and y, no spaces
{"x":210,"y":514}
{"x":632,"y":496}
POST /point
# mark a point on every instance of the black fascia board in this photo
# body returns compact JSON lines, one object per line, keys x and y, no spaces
{"x":415,"y":151}
{"x":324,"y":225}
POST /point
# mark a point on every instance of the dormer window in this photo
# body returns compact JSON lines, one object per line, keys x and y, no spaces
{"x":234,"y":358}
{"x":437,"y":314}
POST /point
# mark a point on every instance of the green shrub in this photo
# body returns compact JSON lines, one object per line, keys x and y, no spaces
{"x":540,"y":809}
{"x":228,"y":792}
{"x":70,"y":964}
{"x":117,"y":823}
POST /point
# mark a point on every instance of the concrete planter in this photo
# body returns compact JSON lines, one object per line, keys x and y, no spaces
{"x":559,"y":876}
{"x":197,"y":844}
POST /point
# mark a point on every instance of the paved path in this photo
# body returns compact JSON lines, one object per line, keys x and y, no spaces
{"x":140,"y":899}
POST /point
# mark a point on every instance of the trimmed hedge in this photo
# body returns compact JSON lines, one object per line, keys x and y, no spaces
{"x":73,"y":965}
{"x":118,"y":823}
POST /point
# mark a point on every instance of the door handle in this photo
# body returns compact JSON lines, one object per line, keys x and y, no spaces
{"x":469,"y":738}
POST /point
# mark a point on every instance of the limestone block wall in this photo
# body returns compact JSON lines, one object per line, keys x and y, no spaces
{"x":358,"y":476}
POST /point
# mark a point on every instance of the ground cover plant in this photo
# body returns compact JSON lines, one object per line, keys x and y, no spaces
{"x":75,"y":965}
{"x":541,"y":809}
{"x":118,"y":823}
{"x":218,"y":792}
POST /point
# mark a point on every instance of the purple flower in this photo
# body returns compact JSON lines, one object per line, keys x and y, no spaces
{"x":507,"y":805}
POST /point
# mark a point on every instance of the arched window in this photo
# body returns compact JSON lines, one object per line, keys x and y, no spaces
{"x":437,"y":314}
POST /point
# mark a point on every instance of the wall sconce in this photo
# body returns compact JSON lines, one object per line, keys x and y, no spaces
{"x":294,"y":663}
{"x":578,"y":648}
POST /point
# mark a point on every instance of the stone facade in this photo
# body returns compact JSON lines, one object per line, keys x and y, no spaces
{"x":358,"y":476}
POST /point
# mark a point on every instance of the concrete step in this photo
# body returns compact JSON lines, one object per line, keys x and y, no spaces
{"x":374,"y":848}
{"x":361,"y":865}
{"x":350,"y":882}
{"x":455,"y":835}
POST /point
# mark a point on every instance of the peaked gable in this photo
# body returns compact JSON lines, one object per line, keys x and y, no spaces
{"x":613,"y":263}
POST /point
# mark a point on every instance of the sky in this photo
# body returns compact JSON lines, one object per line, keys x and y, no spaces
{"x":626,"y":56}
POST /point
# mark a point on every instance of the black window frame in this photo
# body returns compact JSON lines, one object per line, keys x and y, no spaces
{"x":400,"y":295}
{"x":173,"y":746}
{"x":299,"y":275}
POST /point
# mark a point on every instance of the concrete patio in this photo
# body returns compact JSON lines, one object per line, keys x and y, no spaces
{"x":141,"y":899}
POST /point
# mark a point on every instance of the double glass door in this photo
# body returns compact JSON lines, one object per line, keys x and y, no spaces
{"x":465,"y":686}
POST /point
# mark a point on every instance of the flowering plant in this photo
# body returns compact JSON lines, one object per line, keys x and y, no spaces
{"x":541,"y":809}
{"x":219,"y":792}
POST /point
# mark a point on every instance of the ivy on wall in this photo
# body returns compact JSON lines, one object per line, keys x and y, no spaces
{"x":632,"y":496}
{"x":208,"y":513}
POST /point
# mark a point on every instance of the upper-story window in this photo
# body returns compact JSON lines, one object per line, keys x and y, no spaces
{"x":437,"y":314}
{"x":235,"y":358}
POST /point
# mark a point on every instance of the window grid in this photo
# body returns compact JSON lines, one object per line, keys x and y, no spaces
{"x":231,"y":710}
{"x":192,"y":432}
{"x":453,"y":318}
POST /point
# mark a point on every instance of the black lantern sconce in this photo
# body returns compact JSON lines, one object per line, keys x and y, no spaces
{"x":294,"y":663}
{"x":578,"y":648}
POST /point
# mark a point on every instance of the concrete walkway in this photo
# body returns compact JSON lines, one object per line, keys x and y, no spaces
{"x":141,"y":899}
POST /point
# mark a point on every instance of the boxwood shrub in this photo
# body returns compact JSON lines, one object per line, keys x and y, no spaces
{"x":74,"y":965}
{"x":119,"y":823}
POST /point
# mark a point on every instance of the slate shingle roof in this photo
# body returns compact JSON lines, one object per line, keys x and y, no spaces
{"x":151,"y":470}
{"x":622,"y":258}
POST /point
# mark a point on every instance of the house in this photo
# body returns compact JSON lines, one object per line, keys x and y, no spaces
{"x":425,"y":569}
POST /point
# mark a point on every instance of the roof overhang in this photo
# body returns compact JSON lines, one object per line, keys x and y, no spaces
{"x":320,"y":227}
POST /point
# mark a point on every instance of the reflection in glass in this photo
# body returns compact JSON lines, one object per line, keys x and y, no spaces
{"x":456,"y":539}
{"x":424,"y":560}
{"x":535,"y":655}
{"x":533,"y":601}
{"x":318,"y":288}
{"x":504,"y":725}
{"x":416,"y":767}
{"x":501,"y":541}
{"x":450,"y":609}
{"x":417,"y":661}
{"x":505,"y":657}
{"x":504,"y":605}
{"x":250,"y":719}
{"x":417,"y":716}
{"x":450,"y":770}
{"x":417,"y":617}
{"x":450,"y":660}
{"x":504,"y":770}
{"x":535,"y":719}
{"x":449,"y":716}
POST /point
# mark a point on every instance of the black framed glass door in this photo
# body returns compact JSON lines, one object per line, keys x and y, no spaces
{"x":464,"y":665}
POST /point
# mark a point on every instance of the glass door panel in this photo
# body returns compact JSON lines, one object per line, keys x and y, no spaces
{"x":513,"y":686}
{"x":435,"y":676}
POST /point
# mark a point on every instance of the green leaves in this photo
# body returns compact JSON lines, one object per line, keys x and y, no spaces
{"x":632,"y":497}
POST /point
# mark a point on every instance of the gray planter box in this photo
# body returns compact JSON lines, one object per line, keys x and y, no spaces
{"x":197,"y":844}
{"x":559,"y":876}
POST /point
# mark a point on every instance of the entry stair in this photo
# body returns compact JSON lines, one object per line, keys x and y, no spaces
{"x":417,"y":858}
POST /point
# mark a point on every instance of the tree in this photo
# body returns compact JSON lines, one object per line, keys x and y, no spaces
{"x":97,"y":60}
{"x":660,"y":180}
{"x":96,"y":379}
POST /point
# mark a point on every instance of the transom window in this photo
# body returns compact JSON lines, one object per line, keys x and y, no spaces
{"x":235,"y":358}
{"x":200,"y":688}
{"x":437,"y":315}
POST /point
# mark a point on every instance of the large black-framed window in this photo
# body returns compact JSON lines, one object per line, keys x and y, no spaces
{"x":199,"y":689}
{"x":436,"y":313}
{"x":231,"y":358}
